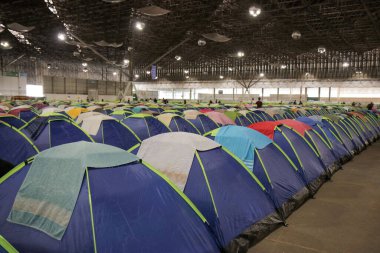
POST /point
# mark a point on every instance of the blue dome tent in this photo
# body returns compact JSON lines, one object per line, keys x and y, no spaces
{"x":268,"y":162}
{"x":325,"y":152}
{"x":145,"y":126}
{"x":332,"y":139}
{"x":300,"y":151}
{"x":12,"y":120}
{"x":116,"y":204}
{"x":15,"y":148}
{"x":230,"y":196}
{"x":201,"y":121}
{"x":177,"y":124}
{"x":107,"y":130}
{"x":53,"y":129}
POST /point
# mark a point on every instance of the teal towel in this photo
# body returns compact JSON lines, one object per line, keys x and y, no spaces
{"x":47,"y":197}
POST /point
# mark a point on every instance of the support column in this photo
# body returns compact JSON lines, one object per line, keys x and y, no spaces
{"x":319,"y":93}
{"x":329,"y":94}
{"x":306,"y":94}
{"x":278,"y":94}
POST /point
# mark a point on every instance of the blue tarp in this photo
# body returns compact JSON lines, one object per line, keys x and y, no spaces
{"x":242,"y":142}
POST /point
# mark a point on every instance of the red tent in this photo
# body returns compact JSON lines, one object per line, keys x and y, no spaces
{"x":206,"y":110}
{"x":16,"y":112}
{"x":296,"y":125}
{"x":265,"y":127}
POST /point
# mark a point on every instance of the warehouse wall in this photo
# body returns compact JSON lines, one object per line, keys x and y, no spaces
{"x":56,"y":87}
{"x":270,"y":90}
{"x":12,"y":85}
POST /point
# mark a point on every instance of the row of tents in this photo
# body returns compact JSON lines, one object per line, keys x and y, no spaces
{"x":145,"y":183}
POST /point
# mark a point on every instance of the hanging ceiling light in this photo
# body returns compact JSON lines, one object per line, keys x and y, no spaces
{"x":296,"y":35}
{"x":261,"y":75}
{"x":186,"y":71}
{"x":49,"y":66}
{"x":221,"y":77}
{"x":240,"y":54}
{"x":254,"y":11}
{"x":114,"y":73}
{"x":201,"y":42}
{"x":321,"y":49}
{"x":345,"y":64}
{"x":85,"y":70}
{"x":140,"y":25}
{"x":230,"y":69}
{"x":137,"y":76}
{"x":84,"y":64}
{"x":147,"y":72}
{"x":61,"y":36}
{"x":5,"y":44}
{"x":187,"y":77}
{"x":126,"y":61}
{"x":283,"y":66}
{"x":178,"y":58}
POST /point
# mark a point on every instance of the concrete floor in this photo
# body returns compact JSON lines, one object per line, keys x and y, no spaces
{"x":344,"y":217}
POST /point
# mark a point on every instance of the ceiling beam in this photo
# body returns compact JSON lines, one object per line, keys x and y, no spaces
{"x":331,"y":28}
{"x":375,"y":26}
{"x":168,"y":52}
{"x":15,"y":60}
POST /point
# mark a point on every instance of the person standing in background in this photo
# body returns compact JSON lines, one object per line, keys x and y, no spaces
{"x":259,"y":104}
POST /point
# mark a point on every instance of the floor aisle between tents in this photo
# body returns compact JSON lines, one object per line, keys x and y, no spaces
{"x":344,"y":217}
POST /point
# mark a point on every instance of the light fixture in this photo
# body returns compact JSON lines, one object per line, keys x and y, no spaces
{"x":254,"y":11}
{"x":261,"y":75}
{"x":230,"y":69}
{"x":307,"y":74}
{"x":49,"y":66}
{"x":5,"y":44}
{"x":61,"y":36}
{"x":186,"y":71}
{"x":358,"y":72}
{"x":321,"y":49}
{"x":114,"y":73}
{"x":345,"y":64}
{"x":147,"y":72}
{"x":187,"y":77}
{"x":126,"y":61}
{"x":140,"y":25}
{"x":137,"y":76}
{"x":178,"y":58}
{"x":283,"y":66}
{"x":240,"y":54}
{"x":84,"y":64}
{"x":221,"y":77}
{"x":85,"y":70}
{"x":201,"y":42}
{"x":296,"y":35}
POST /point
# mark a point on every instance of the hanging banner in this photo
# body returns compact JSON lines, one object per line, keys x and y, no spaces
{"x":153,"y":72}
